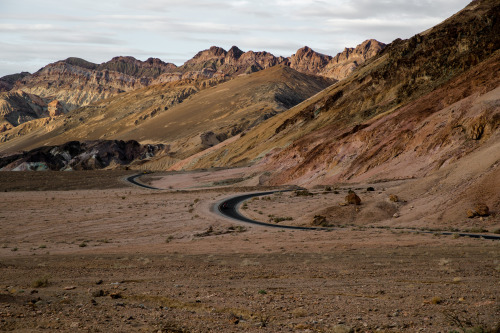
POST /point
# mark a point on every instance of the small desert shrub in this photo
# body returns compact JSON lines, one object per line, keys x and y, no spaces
{"x":281,"y":219}
{"x":370,"y":189}
{"x":83,"y":244}
{"x":169,"y":239}
{"x":436,"y":300}
{"x":43,"y":246}
{"x":303,"y":193}
{"x":237,"y":228}
{"x":40,"y":282}
{"x":299,"y":312}
{"x":262,"y":292}
{"x":477,"y":230}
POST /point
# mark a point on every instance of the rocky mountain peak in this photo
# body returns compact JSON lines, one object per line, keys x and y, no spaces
{"x":361,"y":52}
{"x":128,"y":59}
{"x":234,"y":52}
{"x":74,"y":61}
{"x":155,"y":61}
{"x":308,"y":61}
{"x":212,"y":52}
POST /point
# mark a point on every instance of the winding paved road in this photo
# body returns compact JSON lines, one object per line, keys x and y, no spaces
{"x":132,"y":180}
{"x":230,"y":208}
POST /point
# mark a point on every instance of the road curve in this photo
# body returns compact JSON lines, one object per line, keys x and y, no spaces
{"x":230,"y":208}
{"x":132,"y":180}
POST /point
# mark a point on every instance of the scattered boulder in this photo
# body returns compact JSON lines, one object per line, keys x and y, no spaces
{"x":352,"y":198}
{"x":396,"y":215}
{"x":480,"y":209}
{"x":471,"y":213}
{"x":115,"y":295}
{"x":319,"y":220}
{"x":98,"y":293}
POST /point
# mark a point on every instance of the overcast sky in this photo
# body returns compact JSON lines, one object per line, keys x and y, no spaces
{"x":34,"y":33}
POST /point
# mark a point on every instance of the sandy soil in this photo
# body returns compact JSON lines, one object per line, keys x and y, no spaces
{"x":130,"y":259}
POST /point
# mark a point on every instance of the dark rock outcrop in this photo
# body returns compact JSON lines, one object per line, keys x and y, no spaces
{"x":7,"y":82}
{"x":77,"y":155}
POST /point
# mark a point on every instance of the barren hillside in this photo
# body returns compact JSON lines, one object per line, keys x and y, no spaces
{"x":422,"y":103}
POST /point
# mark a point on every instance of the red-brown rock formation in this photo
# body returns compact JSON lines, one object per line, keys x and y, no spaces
{"x":55,"y":108}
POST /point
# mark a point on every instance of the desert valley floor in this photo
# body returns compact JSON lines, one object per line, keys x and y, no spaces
{"x":96,"y":254}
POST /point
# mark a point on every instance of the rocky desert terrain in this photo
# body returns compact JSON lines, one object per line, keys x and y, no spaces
{"x":104,"y":255}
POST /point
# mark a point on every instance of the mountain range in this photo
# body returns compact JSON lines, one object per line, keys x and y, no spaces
{"x":417,"y":108}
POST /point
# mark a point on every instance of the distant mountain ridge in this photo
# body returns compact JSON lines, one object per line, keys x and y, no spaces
{"x":75,"y":82}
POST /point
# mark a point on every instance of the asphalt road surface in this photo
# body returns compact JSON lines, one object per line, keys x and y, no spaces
{"x":229,"y":208}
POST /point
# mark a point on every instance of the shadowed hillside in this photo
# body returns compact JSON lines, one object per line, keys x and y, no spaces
{"x":422,"y":103}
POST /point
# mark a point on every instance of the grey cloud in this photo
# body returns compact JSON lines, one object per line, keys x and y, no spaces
{"x":80,"y":39}
{"x":171,"y":5}
{"x":381,"y":8}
